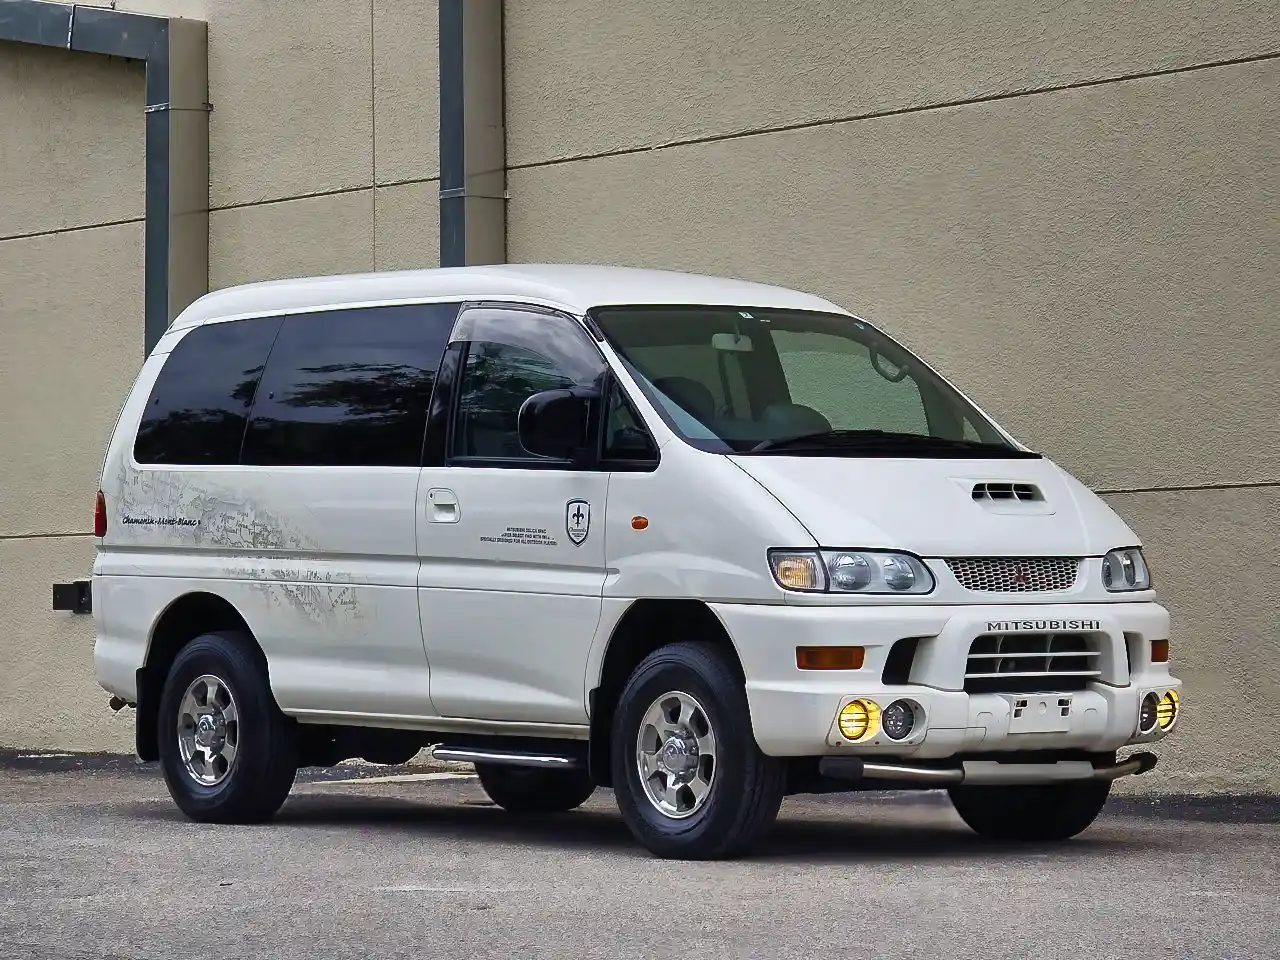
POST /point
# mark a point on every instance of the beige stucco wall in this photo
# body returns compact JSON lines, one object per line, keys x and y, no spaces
{"x":589,"y":76}
{"x":70,"y":342}
{"x":323,"y":159}
{"x":1226,"y":636}
{"x":323,"y":140}
{"x":1071,"y":208}
{"x":336,"y":170}
{"x":50,"y":700}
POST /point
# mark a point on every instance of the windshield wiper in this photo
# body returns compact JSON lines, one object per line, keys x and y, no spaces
{"x":871,"y":441}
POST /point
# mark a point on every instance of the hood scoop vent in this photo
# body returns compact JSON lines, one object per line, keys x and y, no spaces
{"x":1010,"y":497}
{"x":1005,"y":491}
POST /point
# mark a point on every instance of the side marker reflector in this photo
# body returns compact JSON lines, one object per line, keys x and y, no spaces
{"x":830,"y":658}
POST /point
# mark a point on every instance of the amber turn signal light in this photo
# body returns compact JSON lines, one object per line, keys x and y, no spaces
{"x":639,"y":523}
{"x":830,"y":658}
{"x":1159,"y":651}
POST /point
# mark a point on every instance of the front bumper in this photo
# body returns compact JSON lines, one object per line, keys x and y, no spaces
{"x":794,"y":712}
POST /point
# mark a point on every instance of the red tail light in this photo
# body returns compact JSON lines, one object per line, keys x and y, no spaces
{"x":100,"y":516}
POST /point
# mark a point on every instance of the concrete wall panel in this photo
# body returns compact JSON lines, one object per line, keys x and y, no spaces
{"x":315,"y":235}
{"x":292,"y":90}
{"x":51,"y":700}
{"x":71,"y":322}
{"x":406,"y":77}
{"x":71,"y":139}
{"x":589,"y":76}
{"x":407,"y":226}
{"x":1212,"y":557}
{"x":1095,"y":266}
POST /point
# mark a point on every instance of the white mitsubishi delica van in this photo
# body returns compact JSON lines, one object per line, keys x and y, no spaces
{"x":706,"y":542}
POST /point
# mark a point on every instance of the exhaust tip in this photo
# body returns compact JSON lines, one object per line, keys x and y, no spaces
{"x":1146,"y":762}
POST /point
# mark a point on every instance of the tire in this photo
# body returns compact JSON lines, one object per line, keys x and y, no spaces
{"x":525,"y":790}
{"x":253,"y":785}
{"x":1048,"y":813}
{"x":740,"y":789}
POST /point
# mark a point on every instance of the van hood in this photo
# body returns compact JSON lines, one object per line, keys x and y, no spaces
{"x":931,"y":508}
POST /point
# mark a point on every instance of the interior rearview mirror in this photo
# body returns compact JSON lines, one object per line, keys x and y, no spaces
{"x":887,"y":368}
{"x":554,"y":423}
{"x":731,"y":342}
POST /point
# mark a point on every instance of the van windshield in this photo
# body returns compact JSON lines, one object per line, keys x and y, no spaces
{"x":747,"y":380}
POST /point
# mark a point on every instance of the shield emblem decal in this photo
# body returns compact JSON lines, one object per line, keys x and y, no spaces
{"x":577,"y":520}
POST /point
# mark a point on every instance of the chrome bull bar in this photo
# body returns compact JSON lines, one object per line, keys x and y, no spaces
{"x":980,"y":772}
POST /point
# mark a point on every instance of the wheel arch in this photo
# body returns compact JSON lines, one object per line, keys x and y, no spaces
{"x":646,"y":625}
{"x":186,"y":617}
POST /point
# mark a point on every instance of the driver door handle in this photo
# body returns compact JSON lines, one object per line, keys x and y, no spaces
{"x":442,"y":506}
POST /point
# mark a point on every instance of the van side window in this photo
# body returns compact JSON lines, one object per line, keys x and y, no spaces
{"x":496,"y":380}
{"x":198,"y":407}
{"x":625,"y":437}
{"x":349,"y":387}
{"x":511,"y":353}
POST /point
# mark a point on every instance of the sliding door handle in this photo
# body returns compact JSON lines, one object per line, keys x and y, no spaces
{"x":442,"y":506}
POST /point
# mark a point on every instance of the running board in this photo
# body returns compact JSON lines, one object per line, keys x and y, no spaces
{"x":983,"y":771}
{"x":510,"y":758}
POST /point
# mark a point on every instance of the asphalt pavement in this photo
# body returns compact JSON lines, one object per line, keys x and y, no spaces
{"x":95,"y":862}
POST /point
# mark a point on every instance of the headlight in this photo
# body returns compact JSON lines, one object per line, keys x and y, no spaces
{"x":850,"y":571}
{"x":1125,"y":570}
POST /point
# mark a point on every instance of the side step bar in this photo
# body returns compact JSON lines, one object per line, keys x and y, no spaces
{"x":983,"y":771}
{"x":509,"y":758}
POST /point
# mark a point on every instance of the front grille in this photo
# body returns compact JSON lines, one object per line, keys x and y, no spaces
{"x":1031,"y":662}
{"x":1015,"y":574}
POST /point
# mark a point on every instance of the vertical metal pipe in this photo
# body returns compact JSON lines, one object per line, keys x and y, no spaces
{"x":186,"y":159}
{"x":472,"y":134}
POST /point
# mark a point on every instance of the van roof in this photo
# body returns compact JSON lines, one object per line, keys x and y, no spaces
{"x":573,"y":287}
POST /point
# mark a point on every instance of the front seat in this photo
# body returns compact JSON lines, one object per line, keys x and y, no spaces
{"x":694,"y":397}
{"x":795,"y":419}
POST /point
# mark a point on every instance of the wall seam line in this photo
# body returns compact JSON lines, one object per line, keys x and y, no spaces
{"x":412,"y":181}
{"x":341,"y":191}
{"x":41,"y":536}
{"x":896,"y":112}
{"x":58,"y":231}
{"x":1195,"y":487}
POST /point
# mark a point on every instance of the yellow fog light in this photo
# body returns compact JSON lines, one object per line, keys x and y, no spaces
{"x":1167,"y":712}
{"x":860,"y":719}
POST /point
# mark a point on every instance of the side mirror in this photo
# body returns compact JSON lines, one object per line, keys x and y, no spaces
{"x":554,"y":423}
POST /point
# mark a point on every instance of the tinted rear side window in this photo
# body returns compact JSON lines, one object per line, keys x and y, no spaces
{"x":349,"y":387}
{"x":198,"y":407}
